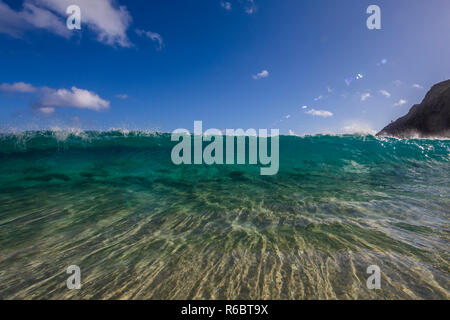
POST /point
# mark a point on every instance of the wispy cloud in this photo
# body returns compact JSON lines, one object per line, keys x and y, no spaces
{"x":46,"y":110}
{"x":263,"y":74}
{"x":251,"y":7}
{"x":108,"y":21}
{"x":400,"y":103}
{"x":319,"y":113}
{"x":17,"y":87}
{"x":287,"y":116}
{"x":358,"y":128}
{"x":318,"y":98}
{"x":16,"y":23}
{"x":122,"y":96}
{"x":382,"y":62}
{"x":365,"y":96}
{"x":398,"y":83}
{"x":417,"y":86}
{"x":305,"y":107}
{"x":226,"y":5}
{"x":385,"y":93}
{"x":155,"y":37}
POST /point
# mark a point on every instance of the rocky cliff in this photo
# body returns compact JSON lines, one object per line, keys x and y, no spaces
{"x":429,"y":119}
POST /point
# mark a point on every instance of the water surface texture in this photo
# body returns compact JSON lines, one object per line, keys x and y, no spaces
{"x":140,"y":227}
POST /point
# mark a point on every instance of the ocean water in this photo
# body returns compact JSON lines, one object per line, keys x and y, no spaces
{"x":140,"y":227}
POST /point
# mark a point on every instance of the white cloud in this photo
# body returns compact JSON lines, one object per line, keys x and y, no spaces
{"x":398,"y":83}
{"x":358,"y":128}
{"x":122,"y":96}
{"x":17,"y":87}
{"x":107,"y":20}
{"x":365,"y":96}
{"x":385,"y":93}
{"x":49,"y":99}
{"x":417,"y":86}
{"x":400,"y":103}
{"x":263,"y":74}
{"x":320,"y":113}
{"x":330,"y":90}
{"x":288,"y":116}
{"x":155,"y":37}
{"x":226,"y":5}
{"x":305,"y":107}
{"x":74,"y":98}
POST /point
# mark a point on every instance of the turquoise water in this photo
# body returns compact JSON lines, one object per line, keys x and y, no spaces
{"x":140,"y":227}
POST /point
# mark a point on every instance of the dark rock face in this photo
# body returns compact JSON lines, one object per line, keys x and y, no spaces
{"x":429,"y":119}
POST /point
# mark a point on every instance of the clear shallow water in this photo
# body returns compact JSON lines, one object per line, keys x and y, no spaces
{"x":140,"y":227}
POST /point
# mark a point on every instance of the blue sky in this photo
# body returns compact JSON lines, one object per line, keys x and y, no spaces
{"x":232,"y":64}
